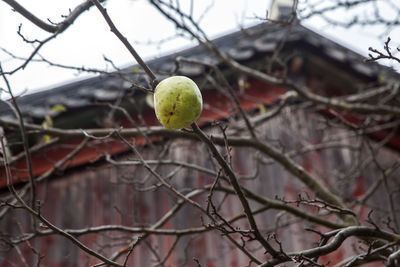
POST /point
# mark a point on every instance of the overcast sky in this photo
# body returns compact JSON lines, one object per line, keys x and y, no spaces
{"x":89,"y":39}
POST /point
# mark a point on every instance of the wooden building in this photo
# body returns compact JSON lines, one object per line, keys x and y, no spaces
{"x":105,"y":185}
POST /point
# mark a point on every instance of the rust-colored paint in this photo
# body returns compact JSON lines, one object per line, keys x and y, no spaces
{"x":218,"y":107}
{"x":88,"y":197}
{"x":359,"y":187}
{"x":356,"y":120}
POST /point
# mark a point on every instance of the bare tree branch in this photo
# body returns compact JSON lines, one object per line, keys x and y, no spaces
{"x":123,"y":39}
{"x":51,"y":28}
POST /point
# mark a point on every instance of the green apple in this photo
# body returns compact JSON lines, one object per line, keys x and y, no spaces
{"x":177,"y":102}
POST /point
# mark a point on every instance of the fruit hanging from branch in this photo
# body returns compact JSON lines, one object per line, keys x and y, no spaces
{"x":177,"y":102}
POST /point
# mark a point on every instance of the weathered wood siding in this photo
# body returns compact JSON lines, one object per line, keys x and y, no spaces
{"x":104,"y":194}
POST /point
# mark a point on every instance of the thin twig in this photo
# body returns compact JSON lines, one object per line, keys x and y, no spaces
{"x":38,"y":215}
{"x":235,"y":184}
{"x":25,"y":143}
{"x":126,"y":43}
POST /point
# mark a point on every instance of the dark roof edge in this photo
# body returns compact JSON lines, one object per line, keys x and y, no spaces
{"x":263,"y":34}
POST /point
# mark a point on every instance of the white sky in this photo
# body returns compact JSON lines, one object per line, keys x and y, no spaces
{"x":89,"y":38}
